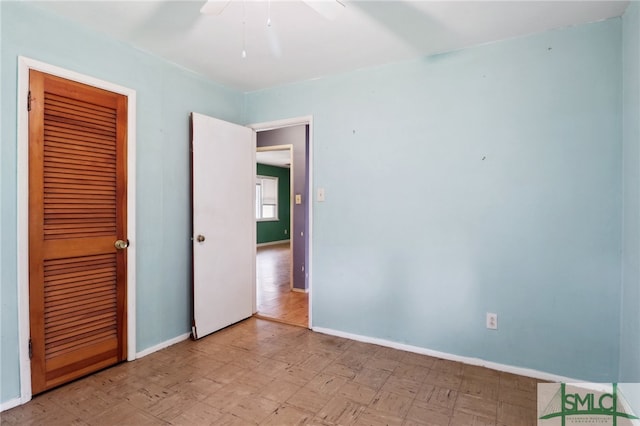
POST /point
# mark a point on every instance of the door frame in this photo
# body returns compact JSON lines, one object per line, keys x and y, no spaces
{"x":24,"y":66}
{"x":291,"y":199}
{"x":279,"y":124}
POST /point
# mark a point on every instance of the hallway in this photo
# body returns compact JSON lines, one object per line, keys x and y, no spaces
{"x":274,"y":298}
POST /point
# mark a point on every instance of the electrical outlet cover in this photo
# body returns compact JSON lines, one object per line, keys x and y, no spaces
{"x":492,"y":321}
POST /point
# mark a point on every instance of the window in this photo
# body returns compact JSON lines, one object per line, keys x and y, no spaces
{"x":266,"y":198}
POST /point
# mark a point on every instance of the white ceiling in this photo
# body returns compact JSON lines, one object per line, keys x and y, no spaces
{"x":280,"y":157}
{"x":301,"y":44}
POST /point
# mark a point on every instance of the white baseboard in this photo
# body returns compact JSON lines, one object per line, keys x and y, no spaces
{"x":7,"y":405}
{"x":272,"y":243}
{"x":451,"y":357}
{"x":300,"y":290}
{"x":163,"y":345}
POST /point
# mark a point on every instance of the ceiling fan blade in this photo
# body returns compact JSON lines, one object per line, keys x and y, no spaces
{"x":327,"y":8}
{"x":214,"y":7}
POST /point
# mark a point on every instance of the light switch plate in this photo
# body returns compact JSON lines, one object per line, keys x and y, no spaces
{"x":320,"y":196}
{"x":298,"y":199}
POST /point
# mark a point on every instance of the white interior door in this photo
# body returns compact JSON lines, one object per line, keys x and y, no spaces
{"x":223,"y":173}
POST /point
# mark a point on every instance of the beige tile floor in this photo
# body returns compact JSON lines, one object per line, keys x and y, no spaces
{"x":261,"y":372}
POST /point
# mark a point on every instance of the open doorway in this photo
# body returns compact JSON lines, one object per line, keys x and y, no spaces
{"x":282,"y":222}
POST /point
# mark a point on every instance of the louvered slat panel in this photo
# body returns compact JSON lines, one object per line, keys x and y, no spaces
{"x":72,"y":196}
{"x":77,"y":103}
{"x":73,"y":306}
{"x":88,"y":118}
{"x":77,"y":139}
{"x":86,"y":340}
{"x":77,"y":210}
{"x":74,"y":126}
{"x":74,"y":133}
{"x":64,"y":342}
{"x":71,"y":291}
{"x":92,"y":287}
{"x":60,"y":266}
{"x":63,"y":324}
{"x":67,"y":186}
{"x":79,"y":110}
{"x":90,"y":131}
{"x":80,"y":162}
{"x":62,"y":337}
{"x":84,"y":215}
{"x":73,"y":162}
{"x":91,"y":231}
{"x":61,"y":175}
{"x":79,"y":302}
{"x":77,"y":151}
{"x":87,"y":311}
{"x":55,"y":170}
{"x":60,"y":282}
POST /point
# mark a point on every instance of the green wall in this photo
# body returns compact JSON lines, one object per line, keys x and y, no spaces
{"x":270,"y":231}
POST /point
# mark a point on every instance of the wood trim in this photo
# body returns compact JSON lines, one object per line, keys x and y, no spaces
{"x":36,"y":229}
{"x":121,"y":220}
{"x":75,"y":247}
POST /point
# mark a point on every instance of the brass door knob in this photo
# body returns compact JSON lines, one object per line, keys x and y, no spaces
{"x":200,"y":238}
{"x":122,"y":244}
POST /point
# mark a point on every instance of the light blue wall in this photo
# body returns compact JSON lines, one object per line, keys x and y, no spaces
{"x":630,"y":318}
{"x":505,"y":160}
{"x":166,"y":94}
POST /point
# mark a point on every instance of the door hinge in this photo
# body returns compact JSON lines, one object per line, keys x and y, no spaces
{"x":29,"y":101}
{"x":30,"y":349}
{"x":194,"y":330}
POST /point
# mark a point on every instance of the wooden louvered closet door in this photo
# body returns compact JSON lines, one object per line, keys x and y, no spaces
{"x":77,"y":211}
